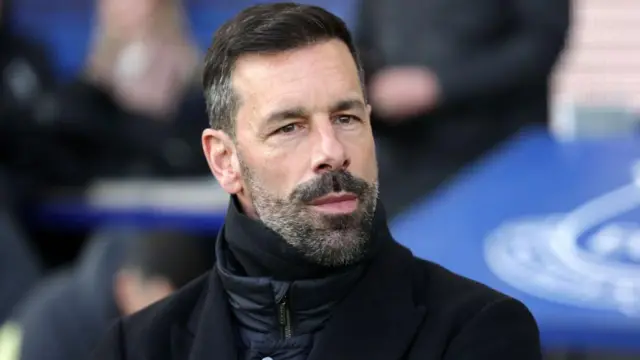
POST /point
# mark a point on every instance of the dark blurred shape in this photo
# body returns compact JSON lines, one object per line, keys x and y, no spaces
{"x":450,"y":79}
{"x":136,"y":108}
{"x":20,"y":268}
{"x":26,"y":76}
{"x":119,"y":272}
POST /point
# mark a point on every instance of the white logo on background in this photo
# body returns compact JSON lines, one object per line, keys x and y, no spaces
{"x":580,"y":258}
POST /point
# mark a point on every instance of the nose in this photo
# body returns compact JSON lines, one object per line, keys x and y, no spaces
{"x":330,"y":153}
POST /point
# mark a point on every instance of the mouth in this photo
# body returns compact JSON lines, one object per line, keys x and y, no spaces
{"x":336,"y":203}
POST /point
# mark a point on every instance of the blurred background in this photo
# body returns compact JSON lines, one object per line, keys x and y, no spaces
{"x":508,"y":141}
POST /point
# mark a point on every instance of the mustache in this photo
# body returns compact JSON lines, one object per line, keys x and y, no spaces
{"x":328,"y":182}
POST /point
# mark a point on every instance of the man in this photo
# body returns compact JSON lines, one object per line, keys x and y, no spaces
{"x":305,"y":265}
{"x":450,"y":79}
{"x":120,"y":272}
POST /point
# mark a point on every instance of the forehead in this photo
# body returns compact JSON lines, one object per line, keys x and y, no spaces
{"x":311,"y":77}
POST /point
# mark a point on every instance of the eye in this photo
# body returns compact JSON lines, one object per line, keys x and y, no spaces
{"x":346,"y":119}
{"x":287,"y":129}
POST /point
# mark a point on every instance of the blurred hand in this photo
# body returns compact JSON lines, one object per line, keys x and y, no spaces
{"x":398,"y":93}
{"x":149,"y":81}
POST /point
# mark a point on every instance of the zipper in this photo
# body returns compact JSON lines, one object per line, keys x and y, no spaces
{"x":284,"y":318}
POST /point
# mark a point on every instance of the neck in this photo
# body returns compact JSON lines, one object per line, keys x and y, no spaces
{"x":257,"y":251}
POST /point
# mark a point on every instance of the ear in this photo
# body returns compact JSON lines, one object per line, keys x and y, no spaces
{"x":222,"y":159}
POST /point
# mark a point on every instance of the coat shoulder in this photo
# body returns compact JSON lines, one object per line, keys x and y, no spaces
{"x":438,"y":287}
{"x":468,"y":316}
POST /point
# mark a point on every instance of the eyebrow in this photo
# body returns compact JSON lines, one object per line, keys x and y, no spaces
{"x":346,"y":105}
{"x":299,"y":112}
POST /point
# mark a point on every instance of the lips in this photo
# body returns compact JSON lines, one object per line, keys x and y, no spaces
{"x":333,"y":198}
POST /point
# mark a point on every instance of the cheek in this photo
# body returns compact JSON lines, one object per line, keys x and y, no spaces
{"x":292,"y":154}
{"x":363,"y":159}
{"x":276,"y":171}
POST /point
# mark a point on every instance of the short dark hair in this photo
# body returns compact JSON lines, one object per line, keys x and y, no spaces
{"x":263,"y":29}
{"x":173,"y":255}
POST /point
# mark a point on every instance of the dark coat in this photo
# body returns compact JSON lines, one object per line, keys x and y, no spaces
{"x":20,"y":268}
{"x":402,"y":308}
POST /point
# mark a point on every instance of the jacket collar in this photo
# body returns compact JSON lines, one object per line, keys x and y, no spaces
{"x":376,"y":321}
{"x":254,"y":300}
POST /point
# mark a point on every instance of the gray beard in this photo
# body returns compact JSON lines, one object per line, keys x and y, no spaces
{"x":332,"y":241}
{"x":339,"y":241}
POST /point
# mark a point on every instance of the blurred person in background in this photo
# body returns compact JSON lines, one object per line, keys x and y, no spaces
{"x":24,"y":76}
{"x":120,"y":272}
{"x":136,"y":105}
{"x":450,"y":79}
{"x":134,"y":110}
{"x":20,"y":268}
{"x":143,"y":56}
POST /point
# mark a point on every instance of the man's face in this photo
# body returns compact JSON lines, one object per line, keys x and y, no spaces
{"x":304,"y":153}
